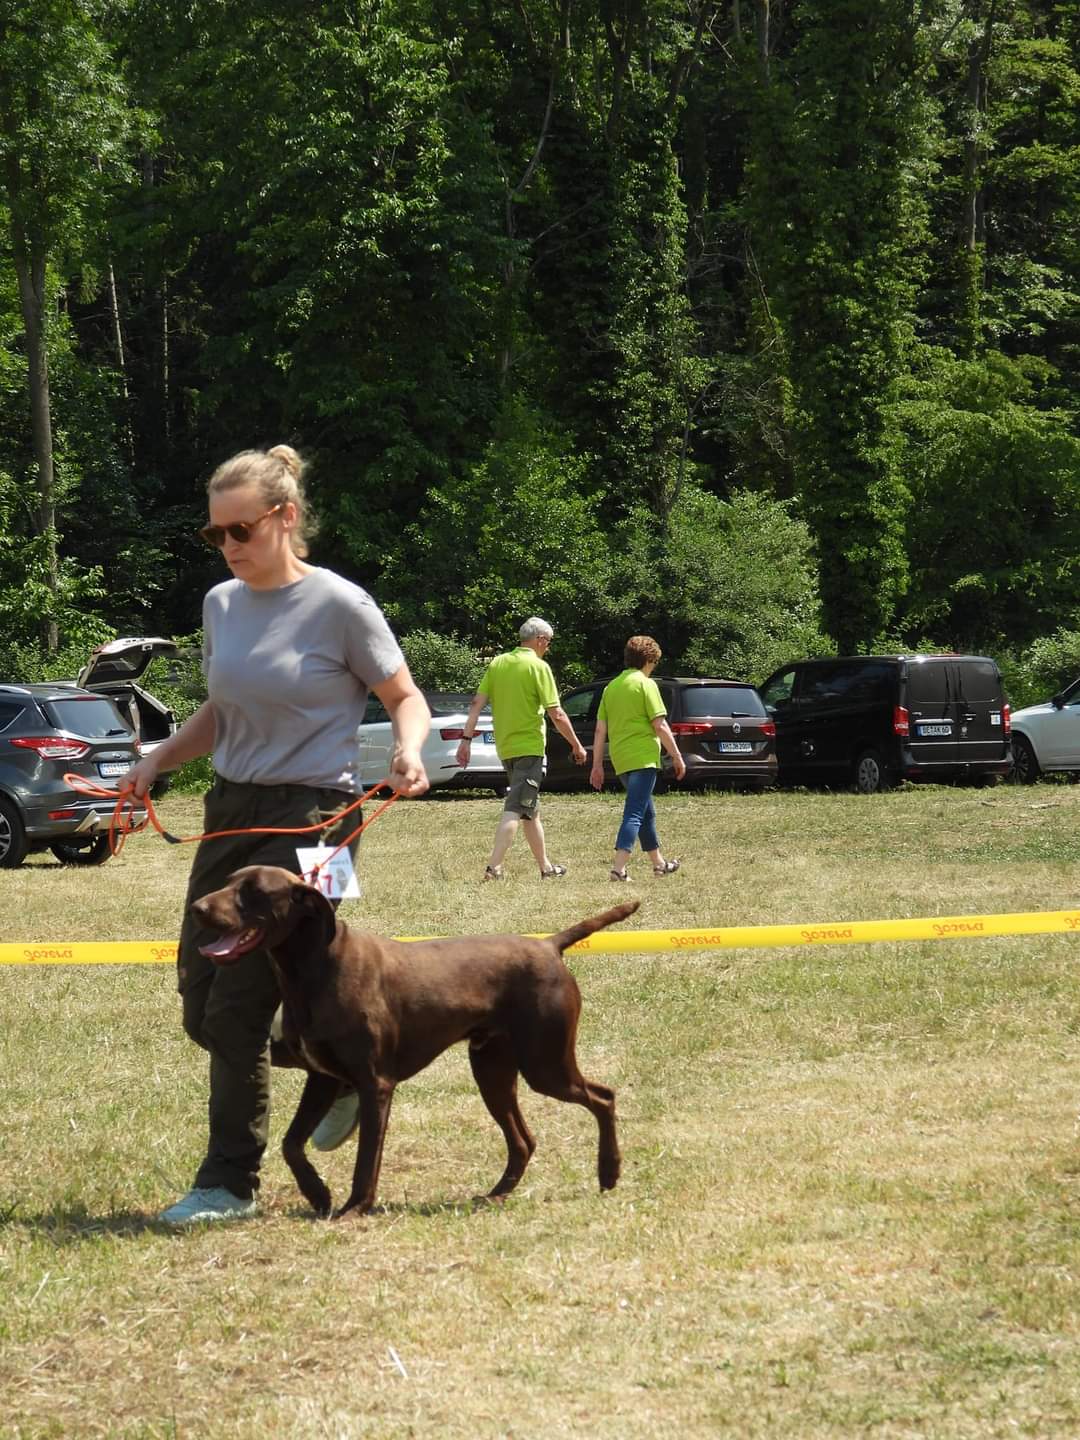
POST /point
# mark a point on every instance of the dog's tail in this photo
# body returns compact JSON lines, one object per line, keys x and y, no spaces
{"x":579,"y":931}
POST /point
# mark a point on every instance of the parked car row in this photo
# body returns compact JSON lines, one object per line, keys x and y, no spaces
{"x":867,"y":720}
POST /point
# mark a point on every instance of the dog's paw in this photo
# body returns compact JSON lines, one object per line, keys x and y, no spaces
{"x":610,"y":1170}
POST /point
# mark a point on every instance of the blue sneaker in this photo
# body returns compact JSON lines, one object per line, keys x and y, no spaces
{"x":338,"y":1123}
{"x":215,"y":1203}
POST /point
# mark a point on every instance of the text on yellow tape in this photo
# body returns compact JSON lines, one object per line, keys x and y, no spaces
{"x":724,"y":937}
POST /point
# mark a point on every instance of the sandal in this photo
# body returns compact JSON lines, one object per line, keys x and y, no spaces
{"x":490,"y":873}
{"x":667,"y":868}
{"x":619,"y":874}
{"x":552,"y":872}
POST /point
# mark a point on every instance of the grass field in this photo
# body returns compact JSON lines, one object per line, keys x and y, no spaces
{"x":851,"y":1196}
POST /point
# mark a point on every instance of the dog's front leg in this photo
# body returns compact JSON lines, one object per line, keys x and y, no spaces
{"x":375,"y":1098}
{"x":318,"y":1095}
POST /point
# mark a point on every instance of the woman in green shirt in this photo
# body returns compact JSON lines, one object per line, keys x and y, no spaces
{"x":633,"y":715}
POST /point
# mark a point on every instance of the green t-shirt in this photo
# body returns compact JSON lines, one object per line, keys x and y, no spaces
{"x":629,"y":705}
{"x":520,"y":687}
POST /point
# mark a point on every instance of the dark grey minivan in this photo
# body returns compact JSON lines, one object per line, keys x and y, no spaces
{"x":872,"y":720}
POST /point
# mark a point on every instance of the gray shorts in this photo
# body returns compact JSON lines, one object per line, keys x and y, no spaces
{"x":525,"y":773}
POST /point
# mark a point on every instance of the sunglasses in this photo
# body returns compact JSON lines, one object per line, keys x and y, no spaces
{"x":240,"y":530}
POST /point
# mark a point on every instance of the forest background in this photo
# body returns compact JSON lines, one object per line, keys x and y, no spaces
{"x":752,"y":325}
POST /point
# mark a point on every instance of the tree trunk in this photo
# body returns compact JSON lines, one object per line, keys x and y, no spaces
{"x":973,"y":220}
{"x":29,"y":261}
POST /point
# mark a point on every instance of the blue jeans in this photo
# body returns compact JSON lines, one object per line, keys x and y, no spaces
{"x":639,"y":812}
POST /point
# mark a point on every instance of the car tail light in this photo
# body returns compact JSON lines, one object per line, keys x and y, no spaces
{"x":53,"y":747}
{"x":691,"y":727}
{"x":61,"y":814}
{"x":901,"y":721}
{"x":768,"y":728}
{"x":453,"y":732}
{"x":1006,"y":719}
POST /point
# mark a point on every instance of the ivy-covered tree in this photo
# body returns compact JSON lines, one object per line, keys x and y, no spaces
{"x":834,"y":145}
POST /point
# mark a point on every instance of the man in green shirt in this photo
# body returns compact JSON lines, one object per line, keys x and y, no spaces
{"x":520,"y":689}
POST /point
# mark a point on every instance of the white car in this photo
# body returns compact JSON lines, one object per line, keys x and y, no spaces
{"x":1047,"y":736}
{"x":449,"y":711}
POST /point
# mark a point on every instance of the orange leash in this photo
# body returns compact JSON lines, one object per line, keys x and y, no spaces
{"x":122,"y":822}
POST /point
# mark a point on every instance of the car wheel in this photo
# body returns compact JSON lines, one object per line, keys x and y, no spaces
{"x":1025,"y":769}
{"x":13,"y":846}
{"x":871,"y":776}
{"x":94,"y":851}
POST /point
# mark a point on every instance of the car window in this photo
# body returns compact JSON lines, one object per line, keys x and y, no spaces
{"x":872,"y":681}
{"x":9,"y":709}
{"x":777,"y":689}
{"x":444,"y":702}
{"x":720,"y":700}
{"x":928,"y":682}
{"x":841,"y":682}
{"x":94,"y":718}
{"x":979,"y":680}
{"x":374,"y":711}
{"x":579,"y":705}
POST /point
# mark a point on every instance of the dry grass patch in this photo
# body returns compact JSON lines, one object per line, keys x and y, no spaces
{"x":852,"y":1192}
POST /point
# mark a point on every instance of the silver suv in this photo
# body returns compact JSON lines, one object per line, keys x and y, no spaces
{"x":47,"y":730}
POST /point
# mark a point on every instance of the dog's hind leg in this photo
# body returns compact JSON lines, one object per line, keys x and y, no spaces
{"x":559,"y":1077}
{"x":495,"y":1072}
{"x":318,"y":1095}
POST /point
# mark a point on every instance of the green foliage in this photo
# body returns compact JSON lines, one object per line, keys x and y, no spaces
{"x":63,"y":121}
{"x":517,"y":535}
{"x":441,"y":662}
{"x":1042,"y":668}
{"x":995,"y":528}
{"x":540,"y":292}
{"x":178,"y":682}
{"x":835,"y":139}
{"x":730,"y":589}
{"x":28,"y":598}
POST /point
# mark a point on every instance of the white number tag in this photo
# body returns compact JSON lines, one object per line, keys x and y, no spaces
{"x":337,"y":881}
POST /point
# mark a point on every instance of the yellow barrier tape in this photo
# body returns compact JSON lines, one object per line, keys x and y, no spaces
{"x":725,"y":937}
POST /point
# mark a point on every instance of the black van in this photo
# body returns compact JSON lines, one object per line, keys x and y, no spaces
{"x":876,"y":719}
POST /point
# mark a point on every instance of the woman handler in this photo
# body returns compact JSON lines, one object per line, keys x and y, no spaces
{"x":290,"y":653}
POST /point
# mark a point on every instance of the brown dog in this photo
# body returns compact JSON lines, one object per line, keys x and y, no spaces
{"x":371,"y":1012}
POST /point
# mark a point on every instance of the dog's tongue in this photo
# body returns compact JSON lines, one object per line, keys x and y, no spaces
{"x":228,"y":944}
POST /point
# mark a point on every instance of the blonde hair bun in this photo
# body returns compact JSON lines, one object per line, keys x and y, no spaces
{"x":289,"y":458}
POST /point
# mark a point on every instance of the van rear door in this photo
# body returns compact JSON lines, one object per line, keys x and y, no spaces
{"x":979,"y":704}
{"x":931,"y":700}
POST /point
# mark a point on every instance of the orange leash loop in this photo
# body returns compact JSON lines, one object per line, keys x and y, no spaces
{"x":122,"y":822}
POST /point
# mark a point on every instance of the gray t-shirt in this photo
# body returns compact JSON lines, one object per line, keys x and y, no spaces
{"x":288,"y":673}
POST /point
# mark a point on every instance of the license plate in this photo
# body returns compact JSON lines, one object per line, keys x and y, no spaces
{"x":488,"y":737}
{"x":935,"y":729}
{"x":114,"y":767}
{"x":735,"y":747}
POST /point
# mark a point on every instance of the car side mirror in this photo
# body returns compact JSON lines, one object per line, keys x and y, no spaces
{"x":1058,"y":702}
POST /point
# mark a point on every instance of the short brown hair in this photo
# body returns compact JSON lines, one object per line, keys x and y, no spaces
{"x":639,"y":650}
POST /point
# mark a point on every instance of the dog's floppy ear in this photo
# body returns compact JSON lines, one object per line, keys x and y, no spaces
{"x":310,"y":901}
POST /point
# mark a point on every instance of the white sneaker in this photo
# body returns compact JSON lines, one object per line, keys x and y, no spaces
{"x":215,"y":1203}
{"x":338,"y":1123}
